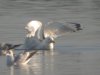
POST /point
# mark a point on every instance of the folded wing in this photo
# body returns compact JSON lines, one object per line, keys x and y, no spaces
{"x":24,"y":57}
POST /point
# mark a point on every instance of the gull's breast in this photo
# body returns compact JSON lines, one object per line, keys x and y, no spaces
{"x":51,"y":46}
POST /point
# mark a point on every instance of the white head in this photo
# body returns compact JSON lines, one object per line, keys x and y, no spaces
{"x":33,"y":26}
{"x":49,"y":43}
{"x":49,"y":40}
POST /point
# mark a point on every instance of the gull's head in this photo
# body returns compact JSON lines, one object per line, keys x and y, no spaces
{"x":33,"y":26}
{"x":50,"y":40}
{"x":9,"y":53}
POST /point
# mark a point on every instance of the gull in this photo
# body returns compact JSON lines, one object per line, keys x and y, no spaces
{"x":7,"y":46}
{"x":42,"y":37}
{"x":20,"y":59}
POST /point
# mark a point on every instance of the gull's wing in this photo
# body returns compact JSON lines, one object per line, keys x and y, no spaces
{"x":33,"y":38}
{"x":24,"y":57}
{"x":40,"y":33}
{"x":30,"y":55}
{"x":20,"y":57}
{"x":56,"y":29}
{"x":8,"y":46}
{"x":32,"y":27}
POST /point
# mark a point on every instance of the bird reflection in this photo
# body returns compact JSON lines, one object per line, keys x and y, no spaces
{"x":42,"y":62}
{"x":21,"y":70}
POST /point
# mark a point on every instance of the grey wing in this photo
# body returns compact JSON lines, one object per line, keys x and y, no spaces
{"x":31,"y":54}
{"x":56,"y":29}
{"x":21,"y":57}
{"x":24,"y":57}
{"x":31,"y":43}
{"x":17,"y":57}
{"x":40,"y":33}
{"x":8,"y":46}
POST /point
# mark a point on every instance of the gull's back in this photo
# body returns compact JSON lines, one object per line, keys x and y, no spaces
{"x":31,"y":43}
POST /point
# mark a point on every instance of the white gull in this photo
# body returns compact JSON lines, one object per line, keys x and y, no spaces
{"x":42,"y":37}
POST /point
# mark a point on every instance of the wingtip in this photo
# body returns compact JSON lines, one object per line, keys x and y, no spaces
{"x":78,"y":26}
{"x":14,"y":46}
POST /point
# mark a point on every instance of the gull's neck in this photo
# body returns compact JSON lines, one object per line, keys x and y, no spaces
{"x":10,"y":58}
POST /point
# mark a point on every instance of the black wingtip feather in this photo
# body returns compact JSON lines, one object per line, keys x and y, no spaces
{"x":78,"y":26}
